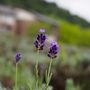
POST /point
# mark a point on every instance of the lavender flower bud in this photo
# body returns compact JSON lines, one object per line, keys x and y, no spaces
{"x":40,"y":41}
{"x":18,"y":57}
{"x":53,"y":50}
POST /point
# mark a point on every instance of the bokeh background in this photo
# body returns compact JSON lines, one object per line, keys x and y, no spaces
{"x":66,"y":21}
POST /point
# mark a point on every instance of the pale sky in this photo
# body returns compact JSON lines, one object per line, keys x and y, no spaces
{"x":76,"y":7}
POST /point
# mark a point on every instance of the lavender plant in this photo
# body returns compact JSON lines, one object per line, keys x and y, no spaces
{"x":39,"y":44}
{"x":17,"y":59}
{"x":52,"y":53}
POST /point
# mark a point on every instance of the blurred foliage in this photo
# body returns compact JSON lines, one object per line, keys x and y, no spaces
{"x":68,"y":33}
{"x":70,"y":85}
{"x":46,"y":8}
{"x":71,"y":33}
{"x":34,"y":28}
{"x":71,"y":55}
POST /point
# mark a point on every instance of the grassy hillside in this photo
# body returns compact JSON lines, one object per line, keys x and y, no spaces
{"x":46,"y":8}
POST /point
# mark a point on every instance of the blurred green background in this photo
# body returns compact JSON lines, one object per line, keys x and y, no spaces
{"x":71,"y":69}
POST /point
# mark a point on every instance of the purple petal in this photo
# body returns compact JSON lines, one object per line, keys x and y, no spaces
{"x":53,"y":50}
{"x":42,"y":30}
{"x":18,"y":56}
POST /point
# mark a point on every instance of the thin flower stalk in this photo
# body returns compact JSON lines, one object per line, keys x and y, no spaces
{"x":48,"y":74}
{"x":52,"y":53}
{"x":36,"y":71}
{"x":16,"y":76}
{"x":17,"y":57}
{"x":39,"y":44}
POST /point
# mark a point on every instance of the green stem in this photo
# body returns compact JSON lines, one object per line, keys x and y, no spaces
{"x":16,"y":76}
{"x":36,"y":70}
{"x":49,"y":71}
{"x":49,"y":74}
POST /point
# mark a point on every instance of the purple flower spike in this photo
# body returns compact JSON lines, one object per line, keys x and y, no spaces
{"x":40,"y":41}
{"x":18,"y":57}
{"x":53,"y":50}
